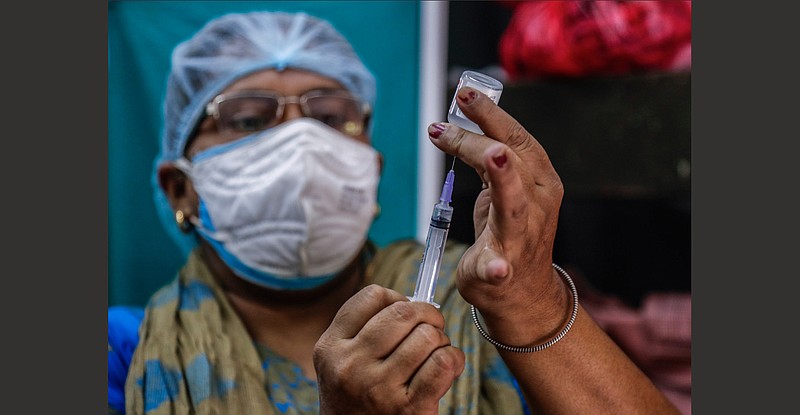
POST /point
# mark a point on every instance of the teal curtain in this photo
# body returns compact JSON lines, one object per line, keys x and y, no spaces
{"x":141,"y":36}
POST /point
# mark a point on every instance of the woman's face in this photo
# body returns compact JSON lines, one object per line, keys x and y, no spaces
{"x":242,"y":119}
{"x":287,"y":83}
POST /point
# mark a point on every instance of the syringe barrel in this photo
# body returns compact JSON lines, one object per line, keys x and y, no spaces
{"x":434,"y":249}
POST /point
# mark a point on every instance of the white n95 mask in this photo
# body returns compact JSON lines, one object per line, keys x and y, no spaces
{"x":289,"y":207}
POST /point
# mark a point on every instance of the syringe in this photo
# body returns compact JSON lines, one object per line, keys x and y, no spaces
{"x":434,"y":244}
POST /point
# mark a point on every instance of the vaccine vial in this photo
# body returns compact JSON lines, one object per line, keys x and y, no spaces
{"x":491,"y":87}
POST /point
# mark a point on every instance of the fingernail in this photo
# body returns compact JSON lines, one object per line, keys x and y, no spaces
{"x":435,"y":130}
{"x":467,"y":97}
{"x":500,"y":160}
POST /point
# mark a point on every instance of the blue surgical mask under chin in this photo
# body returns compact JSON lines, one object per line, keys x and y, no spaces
{"x":255,"y":276}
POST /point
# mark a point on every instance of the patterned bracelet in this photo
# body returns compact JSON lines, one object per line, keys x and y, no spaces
{"x":546,"y":344}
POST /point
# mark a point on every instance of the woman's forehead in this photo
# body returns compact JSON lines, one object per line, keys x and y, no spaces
{"x":288,"y":81}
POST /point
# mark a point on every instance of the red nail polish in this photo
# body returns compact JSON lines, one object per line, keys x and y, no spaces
{"x":435,"y":130}
{"x":500,"y":160}
{"x":467,"y":97}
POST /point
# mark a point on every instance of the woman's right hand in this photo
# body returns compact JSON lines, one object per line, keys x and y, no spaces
{"x":383,"y":354}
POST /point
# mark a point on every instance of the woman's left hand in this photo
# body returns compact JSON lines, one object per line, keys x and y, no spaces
{"x":507,"y":273}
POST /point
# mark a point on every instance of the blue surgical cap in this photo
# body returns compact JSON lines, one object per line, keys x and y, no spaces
{"x":233,"y":46}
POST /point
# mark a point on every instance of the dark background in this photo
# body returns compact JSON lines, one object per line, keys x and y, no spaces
{"x":622,"y":147}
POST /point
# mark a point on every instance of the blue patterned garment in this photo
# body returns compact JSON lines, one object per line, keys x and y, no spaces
{"x":195,"y":355}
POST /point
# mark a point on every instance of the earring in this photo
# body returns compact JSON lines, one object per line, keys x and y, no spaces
{"x":377,"y":210}
{"x":183,"y":224}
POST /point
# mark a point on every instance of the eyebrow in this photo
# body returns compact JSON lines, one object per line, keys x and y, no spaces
{"x":272,"y":91}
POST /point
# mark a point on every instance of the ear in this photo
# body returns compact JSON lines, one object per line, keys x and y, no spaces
{"x":178,"y":189}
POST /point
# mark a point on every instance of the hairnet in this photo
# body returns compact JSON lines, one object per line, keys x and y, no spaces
{"x":235,"y":45}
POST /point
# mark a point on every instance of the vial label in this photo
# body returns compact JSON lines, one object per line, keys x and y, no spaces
{"x":489,"y":86}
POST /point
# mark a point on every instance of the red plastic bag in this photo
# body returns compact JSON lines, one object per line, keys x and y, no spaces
{"x":587,"y":38}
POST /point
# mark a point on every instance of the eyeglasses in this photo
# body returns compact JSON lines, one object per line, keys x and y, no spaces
{"x":250,"y":111}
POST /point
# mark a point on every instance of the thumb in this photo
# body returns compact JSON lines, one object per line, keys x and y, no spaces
{"x":487,"y":265}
